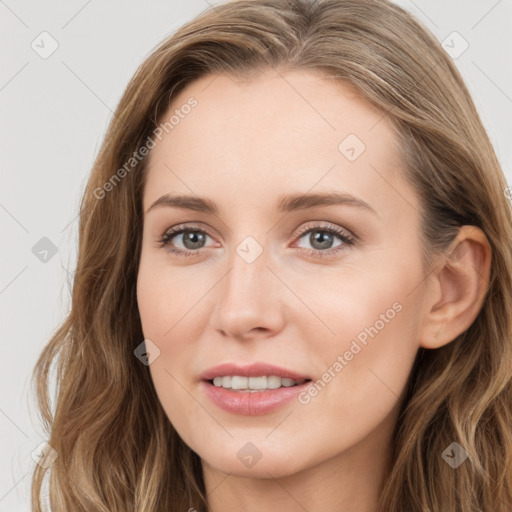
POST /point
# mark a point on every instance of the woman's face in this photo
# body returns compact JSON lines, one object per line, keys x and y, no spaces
{"x":279,"y":272}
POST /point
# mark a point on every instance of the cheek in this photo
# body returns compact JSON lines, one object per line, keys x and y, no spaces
{"x":370,"y":313}
{"x":368,"y":361}
{"x":169,"y":302}
{"x":167,"y":297}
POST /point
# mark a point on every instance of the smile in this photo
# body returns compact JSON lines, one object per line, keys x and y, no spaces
{"x":254,"y":389}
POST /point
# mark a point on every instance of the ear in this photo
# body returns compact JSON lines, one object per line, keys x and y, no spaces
{"x":457,"y":288}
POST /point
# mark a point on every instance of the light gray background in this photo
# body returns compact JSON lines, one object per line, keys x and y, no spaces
{"x":54,"y":115}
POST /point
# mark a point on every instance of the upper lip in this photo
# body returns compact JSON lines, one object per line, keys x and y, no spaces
{"x":251,"y":370}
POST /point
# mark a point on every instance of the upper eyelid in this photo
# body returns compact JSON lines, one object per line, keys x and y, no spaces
{"x":324,"y":225}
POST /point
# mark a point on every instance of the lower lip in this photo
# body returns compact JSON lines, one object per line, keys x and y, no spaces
{"x":252,"y":404}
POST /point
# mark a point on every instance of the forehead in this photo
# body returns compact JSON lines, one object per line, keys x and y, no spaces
{"x":276,"y":131}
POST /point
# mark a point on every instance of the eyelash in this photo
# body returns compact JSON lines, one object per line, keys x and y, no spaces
{"x":347,"y":239}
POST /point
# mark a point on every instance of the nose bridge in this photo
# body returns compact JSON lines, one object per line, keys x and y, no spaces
{"x":248,"y":278}
{"x":246,"y":297}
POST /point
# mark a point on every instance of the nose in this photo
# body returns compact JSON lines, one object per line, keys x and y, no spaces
{"x":251,"y":300}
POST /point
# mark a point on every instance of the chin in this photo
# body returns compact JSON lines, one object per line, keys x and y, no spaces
{"x":270,"y":467}
{"x":245,"y":460}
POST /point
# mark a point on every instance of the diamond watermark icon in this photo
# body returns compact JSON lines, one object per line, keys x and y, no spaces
{"x":147,"y":352}
{"x":249,"y":455}
{"x":249,"y":249}
{"x":44,"y":250}
{"x":44,"y":455}
{"x":454,"y":455}
{"x":455,"y":45}
{"x":44,"y":45}
{"x":351,"y":147}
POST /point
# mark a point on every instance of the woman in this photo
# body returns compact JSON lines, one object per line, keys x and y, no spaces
{"x":212,"y":361}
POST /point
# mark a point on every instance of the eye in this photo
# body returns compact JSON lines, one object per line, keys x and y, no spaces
{"x":193,"y":239}
{"x":321,"y":237}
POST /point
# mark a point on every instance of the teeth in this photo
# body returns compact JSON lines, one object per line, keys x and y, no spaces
{"x":219,"y":380}
{"x":273,"y":382}
{"x":237,"y":382}
{"x":258,"y":382}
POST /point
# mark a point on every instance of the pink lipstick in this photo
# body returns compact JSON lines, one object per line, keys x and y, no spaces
{"x":256,"y":389}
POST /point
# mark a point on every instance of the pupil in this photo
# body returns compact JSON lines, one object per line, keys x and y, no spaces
{"x":323,"y":238}
{"x":194,"y":238}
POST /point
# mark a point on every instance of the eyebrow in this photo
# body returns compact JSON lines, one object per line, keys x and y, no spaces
{"x":286,"y":203}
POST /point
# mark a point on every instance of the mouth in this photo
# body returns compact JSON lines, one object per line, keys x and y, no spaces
{"x":257,"y":389}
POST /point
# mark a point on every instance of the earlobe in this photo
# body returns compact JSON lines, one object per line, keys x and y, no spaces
{"x":459,"y":287}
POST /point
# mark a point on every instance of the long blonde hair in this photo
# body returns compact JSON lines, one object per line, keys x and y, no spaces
{"x":117,"y":450}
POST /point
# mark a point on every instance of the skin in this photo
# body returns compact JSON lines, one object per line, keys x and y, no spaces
{"x":245,"y":144}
